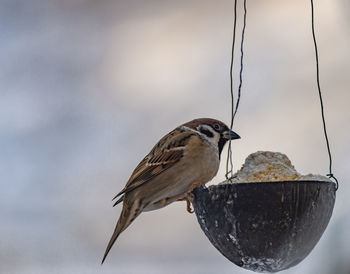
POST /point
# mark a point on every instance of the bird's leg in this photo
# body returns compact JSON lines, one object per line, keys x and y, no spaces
{"x":189,"y":200}
{"x":189,"y":197}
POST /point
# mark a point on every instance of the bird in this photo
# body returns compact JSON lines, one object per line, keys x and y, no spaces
{"x":184,"y":159}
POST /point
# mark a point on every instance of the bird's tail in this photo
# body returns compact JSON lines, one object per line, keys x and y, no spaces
{"x":127,"y":216}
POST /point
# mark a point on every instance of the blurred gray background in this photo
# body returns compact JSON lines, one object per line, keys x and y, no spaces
{"x":88,"y":87}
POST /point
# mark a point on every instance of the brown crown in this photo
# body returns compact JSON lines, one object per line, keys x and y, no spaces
{"x":203,"y":121}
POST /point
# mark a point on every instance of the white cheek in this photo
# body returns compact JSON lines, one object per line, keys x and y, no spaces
{"x":215,"y":139}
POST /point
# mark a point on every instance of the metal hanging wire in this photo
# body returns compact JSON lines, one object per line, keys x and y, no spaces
{"x":330,"y":174}
{"x":229,"y":173}
{"x":234,"y":108}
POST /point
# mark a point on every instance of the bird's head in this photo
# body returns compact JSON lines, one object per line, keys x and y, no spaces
{"x":215,"y":131}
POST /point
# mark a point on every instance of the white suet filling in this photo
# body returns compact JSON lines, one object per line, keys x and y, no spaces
{"x":267,"y":166}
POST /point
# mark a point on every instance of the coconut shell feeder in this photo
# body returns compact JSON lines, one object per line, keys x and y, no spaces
{"x":266,"y":226}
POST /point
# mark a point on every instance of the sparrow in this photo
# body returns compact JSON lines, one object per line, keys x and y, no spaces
{"x":184,"y":159}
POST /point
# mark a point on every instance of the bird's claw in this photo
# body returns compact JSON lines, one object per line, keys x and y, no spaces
{"x":189,"y":208}
{"x":189,"y":199}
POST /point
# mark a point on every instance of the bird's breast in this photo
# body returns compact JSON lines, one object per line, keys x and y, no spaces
{"x":204,"y":159}
{"x":198,"y":165}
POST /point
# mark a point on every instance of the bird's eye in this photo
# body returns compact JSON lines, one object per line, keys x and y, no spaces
{"x":217,"y":127}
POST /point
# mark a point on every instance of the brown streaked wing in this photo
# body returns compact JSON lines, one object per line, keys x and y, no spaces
{"x":164,"y":155}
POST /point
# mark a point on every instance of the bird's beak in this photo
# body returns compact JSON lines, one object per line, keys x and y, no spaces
{"x":230,"y":135}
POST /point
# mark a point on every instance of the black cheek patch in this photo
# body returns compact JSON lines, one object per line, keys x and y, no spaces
{"x":221,"y":144}
{"x":206,"y":132}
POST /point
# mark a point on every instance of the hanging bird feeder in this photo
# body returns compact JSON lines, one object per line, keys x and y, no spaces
{"x":266,"y":226}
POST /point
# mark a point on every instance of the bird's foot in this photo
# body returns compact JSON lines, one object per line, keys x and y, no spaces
{"x":189,"y":208}
{"x":189,"y":199}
